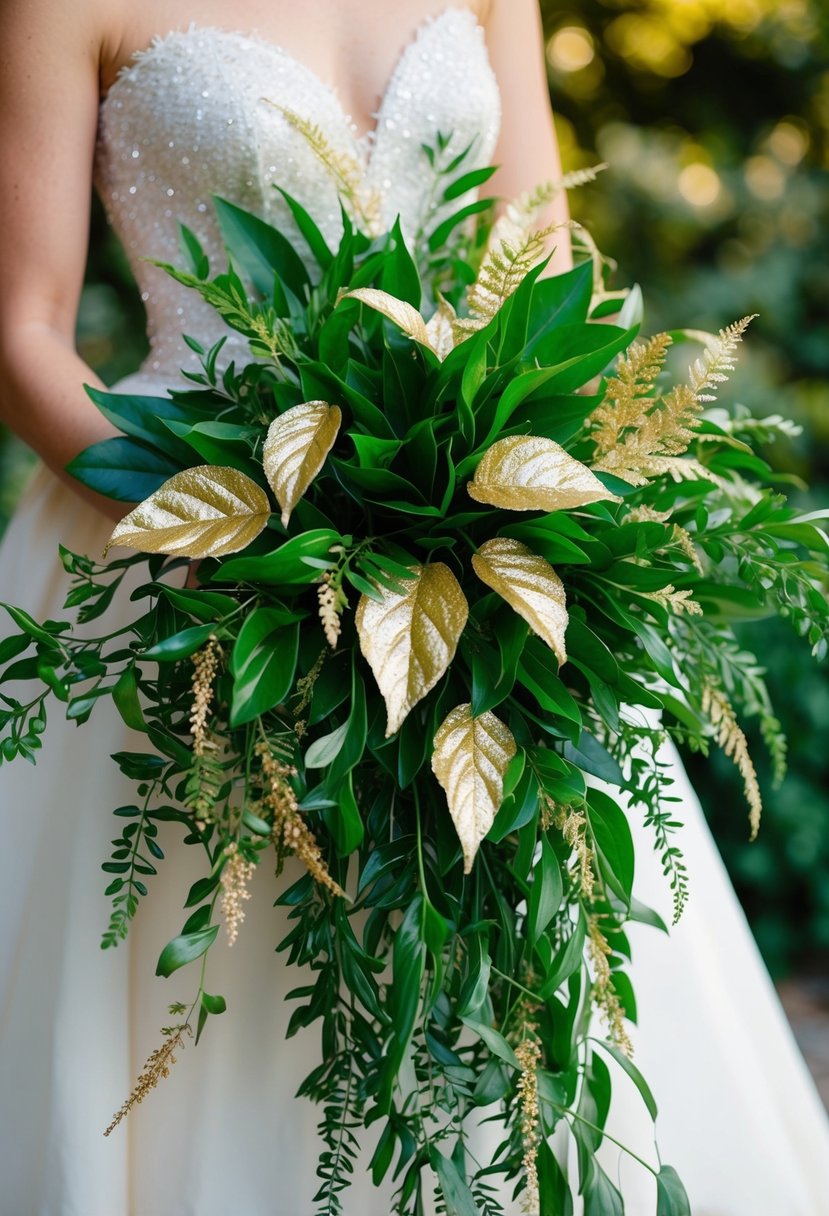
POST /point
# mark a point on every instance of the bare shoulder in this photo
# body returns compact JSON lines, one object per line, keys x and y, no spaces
{"x":34,"y":33}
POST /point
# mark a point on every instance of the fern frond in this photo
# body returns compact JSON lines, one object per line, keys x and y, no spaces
{"x":729,"y":734}
{"x":508,"y":260}
{"x":346,"y":170}
{"x":639,"y":436}
{"x":717,"y":361}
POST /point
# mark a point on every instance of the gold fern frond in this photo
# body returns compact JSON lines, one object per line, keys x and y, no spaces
{"x":639,"y":436}
{"x":629,"y":395}
{"x":346,"y":170}
{"x":506,"y":263}
{"x":718,"y":360}
{"x":674,"y":601}
{"x":730,"y":737}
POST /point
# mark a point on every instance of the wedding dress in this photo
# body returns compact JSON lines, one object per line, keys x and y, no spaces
{"x":196,"y":114}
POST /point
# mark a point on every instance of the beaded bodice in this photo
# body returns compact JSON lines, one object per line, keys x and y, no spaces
{"x":206,"y":112}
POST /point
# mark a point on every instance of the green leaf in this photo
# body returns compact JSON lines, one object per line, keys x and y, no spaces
{"x":10,"y":648}
{"x":125,"y":696}
{"x":344,"y":821}
{"x":546,"y":892}
{"x":213,"y":1004}
{"x":601,"y":1198}
{"x":456,"y":1194}
{"x":263,"y":663}
{"x":262,"y":250}
{"x":355,"y":739}
{"x":184,"y":949}
{"x":467,"y":181}
{"x":408,"y":961}
{"x":306,"y":225}
{"x":400,"y":277}
{"x":144,"y":417}
{"x":494,"y":1040}
{"x":558,"y":300}
{"x":633,"y":1072}
{"x":444,"y":230}
{"x":180,"y":645}
{"x":614,"y":841}
{"x":671,"y":1196}
{"x":325,"y":749}
{"x":554,"y":1191}
{"x":29,"y":626}
{"x":284,"y":566}
{"x":204,"y":605}
{"x":122,"y":468}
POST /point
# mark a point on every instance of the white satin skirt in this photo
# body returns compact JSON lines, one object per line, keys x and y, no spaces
{"x":739,"y":1116}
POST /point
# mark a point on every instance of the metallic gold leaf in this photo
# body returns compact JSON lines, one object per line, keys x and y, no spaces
{"x":295,"y":450}
{"x":441,"y":329}
{"x":529,"y":584}
{"x":531,"y":473}
{"x":202,"y":512}
{"x":409,"y":638}
{"x":403,"y":315}
{"x":470,"y":758}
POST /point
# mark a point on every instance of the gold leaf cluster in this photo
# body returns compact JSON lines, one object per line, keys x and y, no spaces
{"x":639,"y":434}
{"x":730,"y":737}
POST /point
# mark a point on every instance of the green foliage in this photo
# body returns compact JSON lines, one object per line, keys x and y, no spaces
{"x":265,"y":727}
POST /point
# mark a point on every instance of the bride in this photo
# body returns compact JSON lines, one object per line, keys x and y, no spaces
{"x":163,"y":105}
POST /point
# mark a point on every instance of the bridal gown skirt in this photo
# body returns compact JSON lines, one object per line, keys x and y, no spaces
{"x":739,"y":1117}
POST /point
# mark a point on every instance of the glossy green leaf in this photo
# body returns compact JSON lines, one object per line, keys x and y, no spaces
{"x":125,"y":696}
{"x":671,"y":1196}
{"x":546,"y":892}
{"x":179,"y":645}
{"x":456,"y":1194}
{"x":262,"y":662}
{"x":284,"y":566}
{"x":122,"y":468}
{"x":184,"y":949}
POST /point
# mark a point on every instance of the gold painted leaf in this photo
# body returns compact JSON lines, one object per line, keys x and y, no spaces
{"x":532,"y":473}
{"x":403,"y":315}
{"x":470,"y":759}
{"x":441,"y":329}
{"x":529,"y":584}
{"x":409,"y":638}
{"x":295,"y":450}
{"x":202,"y":512}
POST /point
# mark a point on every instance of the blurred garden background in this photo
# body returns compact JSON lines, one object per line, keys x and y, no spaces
{"x":713,"y":119}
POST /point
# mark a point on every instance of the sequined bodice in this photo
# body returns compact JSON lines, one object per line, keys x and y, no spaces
{"x":208,"y":111}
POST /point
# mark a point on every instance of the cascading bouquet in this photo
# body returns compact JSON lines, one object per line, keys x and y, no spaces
{"x":501,"y":534}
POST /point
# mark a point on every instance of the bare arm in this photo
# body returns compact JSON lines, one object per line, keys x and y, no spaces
{"x":527,"y":151}
{"x":49,"y":67}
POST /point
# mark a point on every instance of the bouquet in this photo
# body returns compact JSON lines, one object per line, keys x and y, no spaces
{"x":461,"y":537}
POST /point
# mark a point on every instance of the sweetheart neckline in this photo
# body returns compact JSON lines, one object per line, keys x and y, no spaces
{"x":364,"y":141}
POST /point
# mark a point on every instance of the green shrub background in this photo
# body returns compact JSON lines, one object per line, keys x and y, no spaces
{"x":714,"y":121}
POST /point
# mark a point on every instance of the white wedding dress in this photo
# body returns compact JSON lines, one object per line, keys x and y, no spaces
{"x":739,"y":1116}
